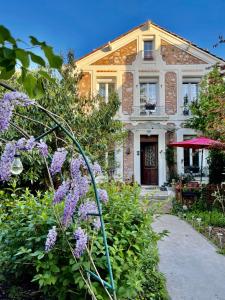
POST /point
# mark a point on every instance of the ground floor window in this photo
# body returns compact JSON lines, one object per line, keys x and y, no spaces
{"x":191,"y":158}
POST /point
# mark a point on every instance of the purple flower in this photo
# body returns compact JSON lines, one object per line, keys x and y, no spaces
{"x":103,"y":195}
{"x":61,"y":192}
{"x":17,"y":98}
{"x":6,"y":110}
{"x":70,"y":206}
{"x":96,"y":168}
{"x":83,"y":185}
{"x":7,"y":105}
{"x":43,"y":148}
{"x":81,"y":242}
{"x":6,"y":161}
{"x":24,"y":144}
{"x":58,"y":160}
{"x":51,"y":239}
{"x":86,"y":208}
{"x":75,"y":168}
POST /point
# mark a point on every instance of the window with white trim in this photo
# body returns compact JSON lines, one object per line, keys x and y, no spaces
{"x":190,"y":91}
{"x":191,"y":158}
{"x":148,"y":93}
{"x":106,"y":87}
{"x":148,"y":50}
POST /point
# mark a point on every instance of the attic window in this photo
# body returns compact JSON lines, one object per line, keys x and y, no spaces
{"x":148,"y":50}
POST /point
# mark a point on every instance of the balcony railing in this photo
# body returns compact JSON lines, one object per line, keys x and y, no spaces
{"x":143,"y":111}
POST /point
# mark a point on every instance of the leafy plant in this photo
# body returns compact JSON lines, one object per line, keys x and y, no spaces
{"x":133,"y":249}
{"x":15,"y":56}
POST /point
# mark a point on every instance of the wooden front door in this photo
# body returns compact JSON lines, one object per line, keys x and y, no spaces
{"x":149,"y":162}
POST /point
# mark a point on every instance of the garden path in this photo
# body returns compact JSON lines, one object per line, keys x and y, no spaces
{"x":191,"y":265}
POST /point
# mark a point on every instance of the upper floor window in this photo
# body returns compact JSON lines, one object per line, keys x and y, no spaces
{"x":190,"y":90}
{"x":148,"y":94}
{"x":148,"y":50}
{"x":105,"y":89}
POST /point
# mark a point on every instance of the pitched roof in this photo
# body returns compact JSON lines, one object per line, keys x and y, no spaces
{"x":144,"y":24}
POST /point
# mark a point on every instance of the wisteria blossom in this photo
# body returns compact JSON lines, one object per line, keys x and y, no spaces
{"x":7,"y":104}
{"x":43,"y":148}
{"x":88,"y":207}
{"x":57,"y":161}
{"x":6,"y":161}
{"x":24,"y":144}
{"x":96,"y":168}
{"x":103,"y":195}
{"x":18,"y":98}
{"x":51,"y":239}
{"x":81,"y":242}
{"x":6,"y":110}
{"x":61,"y":192}
{"x":70,"y":206}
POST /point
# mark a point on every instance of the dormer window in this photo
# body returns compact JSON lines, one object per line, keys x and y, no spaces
{"x":148,"y":50}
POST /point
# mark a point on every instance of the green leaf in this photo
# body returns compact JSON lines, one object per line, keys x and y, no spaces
{"x":4,"y":74}
{"x":46,"y":76}
{"x":35,"y":41}
{"x":5,"y":35}
{"x":55,"y":61}
{"x":37,"y":59}
{"x":23,"y":56}
{"x":29,"y":84}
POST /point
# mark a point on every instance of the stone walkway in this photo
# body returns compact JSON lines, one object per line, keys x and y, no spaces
{"x":191,"y":265}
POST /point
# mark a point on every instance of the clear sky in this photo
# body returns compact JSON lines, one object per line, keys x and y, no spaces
{"x":84,"y":25}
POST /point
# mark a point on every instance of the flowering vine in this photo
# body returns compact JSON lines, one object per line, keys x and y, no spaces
{"x":80,"y":213}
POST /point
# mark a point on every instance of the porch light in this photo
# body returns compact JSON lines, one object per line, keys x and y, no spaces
{"x":17,"y":166}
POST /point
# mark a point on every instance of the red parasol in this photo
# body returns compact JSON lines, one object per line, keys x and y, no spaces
{"x":200,"y":143}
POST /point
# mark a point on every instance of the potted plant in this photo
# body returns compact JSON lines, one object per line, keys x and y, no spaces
{"x":150,"y":106}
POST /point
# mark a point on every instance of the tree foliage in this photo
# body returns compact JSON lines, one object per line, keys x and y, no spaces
{"x":16,"y":56}
{"x":208,"y":113}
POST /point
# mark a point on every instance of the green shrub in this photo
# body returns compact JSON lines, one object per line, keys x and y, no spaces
{"x":213,"y":218}
{"x":25,"y":222}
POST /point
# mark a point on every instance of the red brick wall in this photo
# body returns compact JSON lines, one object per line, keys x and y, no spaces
{"x":171,"y":93}
{"x":123,"y":56}
{"x":84,"y":85}
{"x":128,"y":157}
{"x":175,"y":56}
{"x":127,"y":92}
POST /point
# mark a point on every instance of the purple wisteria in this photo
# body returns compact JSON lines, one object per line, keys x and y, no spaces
{"x":61,"y":192}
{"x":57,"y":161}
{"x":26,"y":145}
{"x":7,"y":104}
{"x":88,"y":207}
{"x":6,"y":161}
{"x":103,"y":196}
{"x":51,"y":239}
{"x":70,"y":206}
{"x":81,"y":242}
{"x":43,"y":148}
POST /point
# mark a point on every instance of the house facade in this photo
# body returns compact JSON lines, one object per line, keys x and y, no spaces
{"x":156,"y":74}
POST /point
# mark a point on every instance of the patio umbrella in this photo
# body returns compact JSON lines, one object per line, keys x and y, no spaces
{"x":200,"y":143}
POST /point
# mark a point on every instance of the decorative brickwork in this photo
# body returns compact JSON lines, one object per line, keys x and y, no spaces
{"x":123,"y":56}
{"x":84,"y":85}
{"x":128,"y":158}
{"x":175,"y":56}
{"x":127,"y":92}
{"x":171,"y":93}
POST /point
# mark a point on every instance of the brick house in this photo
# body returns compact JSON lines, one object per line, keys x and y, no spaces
{"x":156,"y":74}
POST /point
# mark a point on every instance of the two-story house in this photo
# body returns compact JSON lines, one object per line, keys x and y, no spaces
{"x":156,"y":74}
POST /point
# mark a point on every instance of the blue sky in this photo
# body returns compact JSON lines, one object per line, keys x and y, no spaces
{"x":84,"y":25}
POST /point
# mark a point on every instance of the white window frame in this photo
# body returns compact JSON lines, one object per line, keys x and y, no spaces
{"x":149,"y":81}
{"x":151,"y":39}
{"x":106,"y":81}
